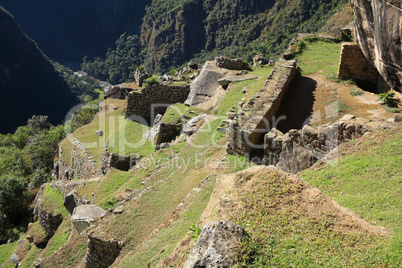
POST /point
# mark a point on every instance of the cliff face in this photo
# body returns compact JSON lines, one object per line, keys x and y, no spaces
{"x":29,"y":84}
{"x":378,"y":30}
{"x":78,"y":28}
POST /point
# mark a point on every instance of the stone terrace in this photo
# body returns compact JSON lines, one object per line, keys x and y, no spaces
{"x":252,"y":122}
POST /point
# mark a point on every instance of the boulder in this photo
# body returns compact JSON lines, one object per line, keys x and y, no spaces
{"x":192,"y":125}
{"x":71,"y":201}
{"x":193,"y":65}
{"x":14,"y":258}
{"x":231,"y":64}
{"x":206,"y":84}
{"x":84,"y":215}
{"x":115,"y":92}
{"x":216,"y":246}
{"x":140,"y":76}
{"x":259,"y":60}
{"x":378,"y":29}
{"x":397,"y":118}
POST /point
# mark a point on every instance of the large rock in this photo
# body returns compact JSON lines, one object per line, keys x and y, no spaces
{"x":231,"y":64}
{"x":84,"y":215}
{"x":378,"y":30}
{"x":140,"y":76}
{"x":206,"y":84}
{"x":115,"y":92}
{"x":191,"y":126}
{"x":216,"y":246}
{"x":71,"y":201}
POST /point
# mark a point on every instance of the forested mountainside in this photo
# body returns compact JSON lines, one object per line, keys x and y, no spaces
{"x":29,"y":83}
{"x":69,"y":30}
{"x":163,"y":34}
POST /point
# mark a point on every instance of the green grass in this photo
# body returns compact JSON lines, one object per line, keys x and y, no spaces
{"x":107,"y":188}
{"x":6,"y":250}
{"x":234,"y":95}
{"x":52,"y":200}
{"x":169,"y":237}
{"x":283,"y":234}
{"x":175,"y":112}
{"x":321,"y":57}
{"x":369,"y":183}
{"x":59,"y":239}
{"x":391,"y":109}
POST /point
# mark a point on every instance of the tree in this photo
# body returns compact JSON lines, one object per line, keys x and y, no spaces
{"x":13,"y":201}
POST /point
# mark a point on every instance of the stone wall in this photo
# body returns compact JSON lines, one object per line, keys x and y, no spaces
{"x":111,"y":160}
{"x":166,"y":133}
{"x":82,"y":167}
{"x":252,"y":122}
{"x":140,"y":102}
{"x":354,"y":65}
{"x":300,"y":149}
{"x":101,"y":253}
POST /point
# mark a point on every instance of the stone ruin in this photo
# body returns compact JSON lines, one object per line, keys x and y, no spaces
{"x":231,"y":64}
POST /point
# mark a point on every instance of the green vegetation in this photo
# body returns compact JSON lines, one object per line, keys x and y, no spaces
{"x":52,"y":200}
{"x":232,"y":29}
{"x":195,"y":231}
{"x":251,"y":87}
{"x":387,"y":98}
{"x":175,"y":113}
{"x":368,"y":181}
{"x":356,"y":92}
{"x":319,"y":56}
{"x":152,"y":81}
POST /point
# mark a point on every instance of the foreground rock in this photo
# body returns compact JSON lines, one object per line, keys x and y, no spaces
{"x":378,"y":30}
{"x":84,"y":215}
{"x":71,"y":201}
{"x":216,"y":246}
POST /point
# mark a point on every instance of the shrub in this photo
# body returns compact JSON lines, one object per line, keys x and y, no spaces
{"x":152,"y":81}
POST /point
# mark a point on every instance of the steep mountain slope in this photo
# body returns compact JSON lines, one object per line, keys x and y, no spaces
{"x":29,"y":84}
{"x":174,"y":32}
{"x":69,"y":30}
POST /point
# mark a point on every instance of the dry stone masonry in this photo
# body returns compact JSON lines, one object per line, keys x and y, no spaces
{"x":101,"y":253}
{"x":120,"y":162}
{"x":354,"y":65}
{"x":155,"y":99}
{"x":300,"y":149}
{"x":251,"y":124}
{"x":82,"y":167}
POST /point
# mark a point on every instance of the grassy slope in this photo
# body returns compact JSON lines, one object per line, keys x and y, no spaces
{"x":368,"y":181}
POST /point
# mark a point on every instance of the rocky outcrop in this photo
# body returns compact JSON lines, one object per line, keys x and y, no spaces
{"x":259,"y":60}
{"x":153,"y":100}
{"x":140,"y":76}
{"x":205,"y":86}
{"x":71,"y":201}
{"x":116,"y":92}
{"x":231,"y":64}
{"x":101,"y":253}
{"x":216,"y":246}
{"x":378,"y":31}
{"x":83,"y":216}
